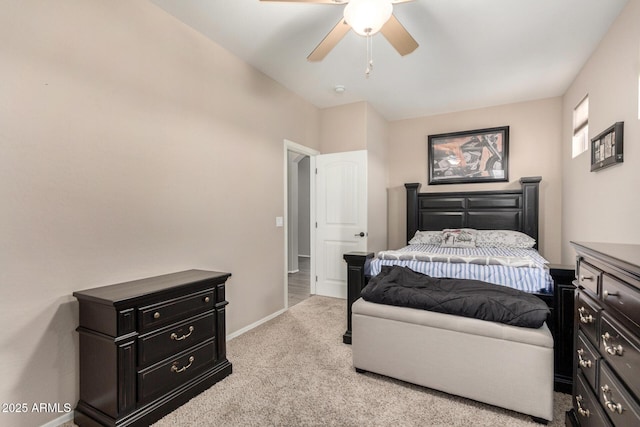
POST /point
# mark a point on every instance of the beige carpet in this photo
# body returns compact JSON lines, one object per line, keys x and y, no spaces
{"x":295,"y":371}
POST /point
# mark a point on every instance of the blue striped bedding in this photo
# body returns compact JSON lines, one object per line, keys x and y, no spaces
{"x":528,"y":279}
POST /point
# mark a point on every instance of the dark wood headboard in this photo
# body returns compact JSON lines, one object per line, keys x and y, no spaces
{"x":483,"y":210}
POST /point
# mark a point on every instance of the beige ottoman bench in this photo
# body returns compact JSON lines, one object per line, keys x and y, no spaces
{"x":502,"y":365}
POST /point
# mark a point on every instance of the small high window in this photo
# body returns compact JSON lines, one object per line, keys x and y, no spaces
{"x":581,"y":127}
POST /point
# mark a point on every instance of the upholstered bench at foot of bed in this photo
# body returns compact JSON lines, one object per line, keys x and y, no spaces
{"x":506,"y":366}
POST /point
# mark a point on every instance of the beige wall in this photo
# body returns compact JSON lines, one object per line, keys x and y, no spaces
{"x":343,"y":128}
{"x":603,"y":206}
{"x":534,"y":150}
{"x":131,"y":146}
{"x":377,"y":138}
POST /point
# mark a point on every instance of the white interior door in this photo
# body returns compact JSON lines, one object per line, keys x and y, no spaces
{"x":341,"y":208}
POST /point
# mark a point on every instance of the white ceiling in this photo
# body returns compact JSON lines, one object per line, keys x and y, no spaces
{"x":472,"y":53}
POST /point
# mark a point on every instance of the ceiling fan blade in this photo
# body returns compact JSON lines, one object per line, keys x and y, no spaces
{"x":398,"y":36}
{"x":315,"y":1}
{"x":330,"y":41}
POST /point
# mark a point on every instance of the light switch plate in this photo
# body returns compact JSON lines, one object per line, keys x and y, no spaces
{"x":279,"y":221}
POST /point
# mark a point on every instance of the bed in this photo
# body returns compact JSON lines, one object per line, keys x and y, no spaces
{"x":465,"y":356}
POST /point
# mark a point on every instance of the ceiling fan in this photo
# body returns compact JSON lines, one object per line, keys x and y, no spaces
{"x":366,"y":18}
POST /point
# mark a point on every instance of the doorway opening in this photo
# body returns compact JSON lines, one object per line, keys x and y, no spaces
{"x":300,"y":215}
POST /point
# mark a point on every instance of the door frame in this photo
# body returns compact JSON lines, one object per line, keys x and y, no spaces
{"x":300,"y":149}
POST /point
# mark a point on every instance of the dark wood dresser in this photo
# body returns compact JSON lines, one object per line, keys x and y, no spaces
{"x":150,"y":345}
{"x":606,"y":386}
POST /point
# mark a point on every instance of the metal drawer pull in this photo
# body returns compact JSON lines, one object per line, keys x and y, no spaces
{"x":175,"y":336}
{"x":585,"y":363}
{"x":207,"y":299}
{"x":606,"y":294}
{"x":583,"y":318}
{"x":611,"y":405}
{"x":581,"y":411}
{"x":174,"y":367}
{"x":156,"y":315}
{"x":583,"y":278}
{"x":614,"y":350}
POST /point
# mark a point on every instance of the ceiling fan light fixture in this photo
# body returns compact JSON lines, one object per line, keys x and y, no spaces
{"x":366,"y":17}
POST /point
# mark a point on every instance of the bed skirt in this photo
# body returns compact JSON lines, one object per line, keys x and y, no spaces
{"x":506,"y":366}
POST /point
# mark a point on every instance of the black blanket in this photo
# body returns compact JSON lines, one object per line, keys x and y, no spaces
{"x":401,"y":286}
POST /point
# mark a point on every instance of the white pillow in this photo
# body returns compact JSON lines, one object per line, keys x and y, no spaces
{"x":504,"y":239}
{"x":459,"y":238}
{"x":426,"y":238}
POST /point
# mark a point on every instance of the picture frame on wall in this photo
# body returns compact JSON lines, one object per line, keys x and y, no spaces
{"x":471,"y":156}
{"x":607,"y":147}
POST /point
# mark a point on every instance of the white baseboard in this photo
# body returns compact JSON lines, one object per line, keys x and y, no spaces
{"x":253,"y":325}
{"x":60,"y":420}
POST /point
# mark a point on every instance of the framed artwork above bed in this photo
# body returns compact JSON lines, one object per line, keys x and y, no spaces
{"x":471,"y":156}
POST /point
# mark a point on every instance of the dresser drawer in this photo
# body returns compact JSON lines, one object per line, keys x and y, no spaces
{"x":587,"y":360}
{"x":164,"y":377}
{"x":621,"y":407}
{"x":621,"y":297}
{"x":174,"y":338}
{"x":176,"y":309}
{"x":588,"y":276}
{"x":585,"y":403}
{"x":588,"y":316}
{"x":622,"y":351}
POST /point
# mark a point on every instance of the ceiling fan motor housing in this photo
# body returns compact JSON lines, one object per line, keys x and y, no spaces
{"x":366,"y":17}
